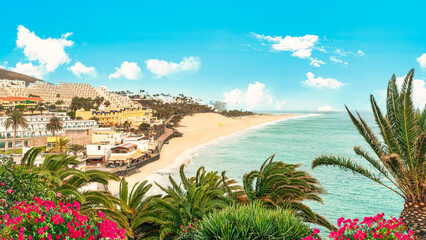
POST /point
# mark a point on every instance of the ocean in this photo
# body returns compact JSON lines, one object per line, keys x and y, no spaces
{"x":299,"y":140}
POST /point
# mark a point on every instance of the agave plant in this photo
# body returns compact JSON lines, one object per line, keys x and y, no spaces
{"x":398,"y":162}
{"x":279,"y":184}
{"x":192,"y":199}
{"x":251,"y":222}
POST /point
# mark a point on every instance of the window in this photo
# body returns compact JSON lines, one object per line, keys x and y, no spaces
{"x":9,"y":144}
{"x":99,"y":147}
{"x":26,"y":143}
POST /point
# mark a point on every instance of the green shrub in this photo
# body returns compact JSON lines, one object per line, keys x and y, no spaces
{"x":19,"y":183}
{"x":253,"y":221}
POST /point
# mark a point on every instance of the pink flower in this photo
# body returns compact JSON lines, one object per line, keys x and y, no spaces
{"x":58,"y":195}
{"x":9,"y":191}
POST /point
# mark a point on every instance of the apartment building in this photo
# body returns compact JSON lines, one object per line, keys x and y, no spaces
{"x":117,"y":116}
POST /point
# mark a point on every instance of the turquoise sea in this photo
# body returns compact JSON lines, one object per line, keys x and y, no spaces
{"x":300,"y":140}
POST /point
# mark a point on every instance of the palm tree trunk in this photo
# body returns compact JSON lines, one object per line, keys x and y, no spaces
{"x":414,"y":215}
{"x":14,"y":140}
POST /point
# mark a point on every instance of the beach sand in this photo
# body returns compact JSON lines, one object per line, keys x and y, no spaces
{"x":197,"y":130}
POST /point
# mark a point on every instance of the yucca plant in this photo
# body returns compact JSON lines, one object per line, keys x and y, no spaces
{"x":398,"y":162}
{"x":252,"y":221}
{"x":192,"y":199}
{"x":280,"y":184}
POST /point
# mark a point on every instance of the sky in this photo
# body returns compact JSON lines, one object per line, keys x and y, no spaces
{"x":255,"y":55}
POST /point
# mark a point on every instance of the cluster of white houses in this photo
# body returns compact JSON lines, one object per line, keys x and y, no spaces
{"x":116,"y":149}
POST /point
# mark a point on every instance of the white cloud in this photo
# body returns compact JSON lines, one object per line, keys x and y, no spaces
{"x":255,"y":94}
{"x":419,"y":91}
{"x":162,"y":68}
{"x":279,"y":104}
{"x":299,"y":46}
{"x":79,"y":69}
{"x":49,"y":52}
{"x":255,"y":97}
{"x":360,"y":53}
{"x":422,"y":60}
{"x":129,"y":70}
{"x":320,"y":82}
{"x":327,"y":108}
{"x":29,"y":69}
{"x":234,"y":99}
{"x":338,"y":60}
{"x":315,"y":62}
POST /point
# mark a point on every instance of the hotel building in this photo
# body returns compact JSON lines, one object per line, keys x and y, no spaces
{"x":117,"y":116}
{"x":36,"y":133}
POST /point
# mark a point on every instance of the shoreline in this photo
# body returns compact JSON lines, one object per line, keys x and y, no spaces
{"x":198,"y":130}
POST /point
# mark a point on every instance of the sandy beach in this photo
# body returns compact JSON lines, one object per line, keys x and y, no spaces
{"x":197,"y":130}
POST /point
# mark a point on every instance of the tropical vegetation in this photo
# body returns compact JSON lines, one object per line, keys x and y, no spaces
{"x":280,"y":184}
{"x":41,"y":219}
{"x":370,"y":228}
{"x":398,"y":161}
{"x":15,"y":120}
{"x":54,"y":125}
{"x":192,"y":199}
{"x":252,"y":221}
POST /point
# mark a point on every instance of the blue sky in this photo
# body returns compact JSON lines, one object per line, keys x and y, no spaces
{"x":215,"y":49}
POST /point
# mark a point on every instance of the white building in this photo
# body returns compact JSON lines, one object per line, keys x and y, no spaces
{"x":37,"y":126}
{"x":141,"y":142}
{"x":107,"y":136}
{"x":100,"y":153}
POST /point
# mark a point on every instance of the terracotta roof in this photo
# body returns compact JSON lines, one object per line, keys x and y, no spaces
{"x":9,"y":75}
{"x":21,"y":98}
{"x":126,"y":145}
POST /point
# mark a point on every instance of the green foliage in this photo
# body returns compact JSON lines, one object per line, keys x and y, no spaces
{"x":75,"y":148}
{"x":67,"y":181}
{"x":78,"y":103}
{"x":136,"y":203}
{"x":175,"y":105}
{"x":399,"y":156}
{"x":55,"y":125}
{"x":237,"y":113}
{"x":192,"y":199}
{"x":283,"y":185}
{"x":71,"y":114}
{"x":15,"y":120}
{"x":253,"y":221}
{"x":20,"y":183}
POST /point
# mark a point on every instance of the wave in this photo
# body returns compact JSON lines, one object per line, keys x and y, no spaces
{"x":187,"y":156}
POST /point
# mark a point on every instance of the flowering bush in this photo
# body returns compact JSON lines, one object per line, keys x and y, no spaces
{"x":189,"y":232}
{"x":45,"y":220}
{"x":370,"y":228}
{"x":19,"y":183}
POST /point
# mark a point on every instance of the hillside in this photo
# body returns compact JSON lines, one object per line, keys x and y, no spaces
{"x":9,"y":75}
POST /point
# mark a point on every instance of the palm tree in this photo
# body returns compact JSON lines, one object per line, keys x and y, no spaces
{"x":192,"y":199}
{"x":15,"y":120}
{"x":399,"y":160}
{"x":75,"y":148}
{"x":126,"y":126}
{"x":279,"y":184}
{"x":55,"y":125}
{"x":69,"y":182}
{"x":61,"y":145}
{"x":136,"y":203}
